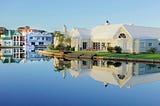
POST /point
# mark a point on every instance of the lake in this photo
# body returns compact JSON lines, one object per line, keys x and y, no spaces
{"x":28,"y":78}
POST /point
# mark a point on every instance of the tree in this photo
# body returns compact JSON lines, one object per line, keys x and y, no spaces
{"x":68,"y":41}
{"x":63,"y":43}
{"x":118,"y":49}
{"x":152,"y":50}
{"x":60,"y":47}
{"x":51,"y":46}
{"x":110,"y":49}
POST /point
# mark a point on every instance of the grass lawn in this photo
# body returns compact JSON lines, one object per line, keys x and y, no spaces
{"x":118,"y":55}
{"x":54,"y":51}
{"x":123,"y":55}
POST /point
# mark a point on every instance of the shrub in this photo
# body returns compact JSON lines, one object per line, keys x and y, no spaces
{"x":118,"y":49}
{"x":60,"y":47}
{"x":110,"y":49}
{"x":72,"y":49}
{"x":152,"y":50}
{"x":117,"y":64}
{"x":51,"y":46}
{"x":67,"y":47}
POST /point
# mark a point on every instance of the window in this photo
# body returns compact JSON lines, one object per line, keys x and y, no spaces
{"x":42,"y":38}
{"x":32,"y":43}
{"x":96,"y":45}
{"x":150,"y":44}
{"x":122,"y":35}
{"x":142,"y":44}
{"x":84,"y":45}
{"x":84,"y":63}
{"x":48,"y":38}
{"x":41,"y":43}
{"x":38,"y":38}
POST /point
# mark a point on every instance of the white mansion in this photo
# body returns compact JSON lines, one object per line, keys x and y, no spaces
{"x":131,"y":38}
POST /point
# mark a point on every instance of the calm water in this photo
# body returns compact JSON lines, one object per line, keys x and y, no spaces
{"x":30,"y":79}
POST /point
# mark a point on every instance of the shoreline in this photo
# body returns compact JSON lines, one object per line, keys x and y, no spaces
{"x":94,"y":57}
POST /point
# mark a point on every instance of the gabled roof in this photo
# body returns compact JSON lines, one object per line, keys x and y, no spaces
{"x":141,"y":32}
{"x":80,"y":33}
{"x":109,"y":31}
{"x":15,"y":32}
{"x":105,"y":31}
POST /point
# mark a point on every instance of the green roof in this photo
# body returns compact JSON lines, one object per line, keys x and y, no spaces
{"x":13,"y":32}
{"x":6,"y":38}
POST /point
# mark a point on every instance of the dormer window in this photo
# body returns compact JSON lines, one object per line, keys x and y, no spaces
{"x":122,"y":35}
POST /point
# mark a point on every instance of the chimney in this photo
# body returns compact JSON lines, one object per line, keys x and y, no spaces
{"x":9,"y":33}
{"x":65,"y":30}
{"x":107,"y":22}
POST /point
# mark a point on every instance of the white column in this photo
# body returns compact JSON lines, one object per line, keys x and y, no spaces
{"x":100,"y":46}
{"x":9,"y":33}
{"x":19,"y":40}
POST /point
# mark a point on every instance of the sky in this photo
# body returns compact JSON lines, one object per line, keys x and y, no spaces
{"x":51,"y":15}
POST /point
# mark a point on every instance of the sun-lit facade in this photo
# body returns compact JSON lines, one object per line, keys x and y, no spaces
{"x":131,"y":38}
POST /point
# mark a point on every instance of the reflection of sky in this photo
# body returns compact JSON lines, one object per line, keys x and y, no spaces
{"x":38,"y":84}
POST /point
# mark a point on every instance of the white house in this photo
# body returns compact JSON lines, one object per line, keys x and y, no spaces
{"x":131,"y":38}
{"x":39,"y":39}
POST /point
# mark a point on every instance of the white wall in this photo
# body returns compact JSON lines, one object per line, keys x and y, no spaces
{"x":7,"y":43}
{"x":145,"y":44}
{"x":38,"y":37}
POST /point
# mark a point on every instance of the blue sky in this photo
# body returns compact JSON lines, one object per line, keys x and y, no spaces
{"x":51,"y":15}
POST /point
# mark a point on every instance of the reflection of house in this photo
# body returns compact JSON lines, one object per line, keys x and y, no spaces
{"x":17,"y":55}
{"x":124,"y":74}
{"x":143,"y":73}
{"x":33,"y":55}
{"x":130,"y":38}
{"x":9,"y":55}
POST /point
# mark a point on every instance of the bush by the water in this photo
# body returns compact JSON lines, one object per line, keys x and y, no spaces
{"x":116,"y":49}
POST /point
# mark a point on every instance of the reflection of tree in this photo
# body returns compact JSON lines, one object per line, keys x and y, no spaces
{"x":59,"y":68}
{"x":151,"y":65}
{"x":62,"y":65}
{"x":115,"y":64}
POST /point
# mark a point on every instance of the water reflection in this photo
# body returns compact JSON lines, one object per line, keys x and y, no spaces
{"x":122,"y":74}
{"x":19,"y":55}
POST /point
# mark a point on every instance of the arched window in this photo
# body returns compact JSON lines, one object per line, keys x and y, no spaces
{"x":122,"y":35}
